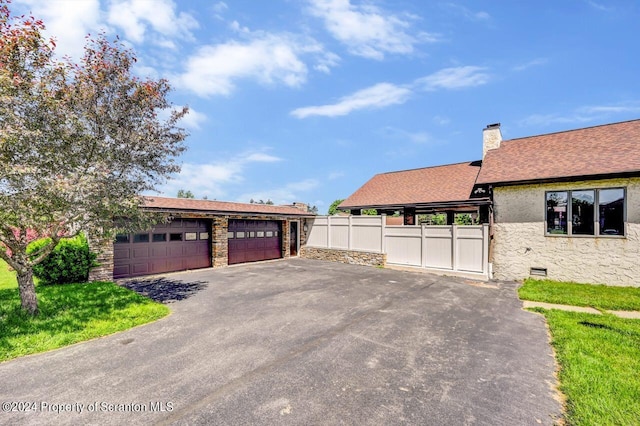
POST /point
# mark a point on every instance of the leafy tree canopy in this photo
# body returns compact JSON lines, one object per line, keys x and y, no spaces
{"x":333,"y":208}
{"x":78,"y":142}
{"x":185,"y":194}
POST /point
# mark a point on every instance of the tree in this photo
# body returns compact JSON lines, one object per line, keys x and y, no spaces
{"x":78,"y":143}
{"x":313,"y":209}
{"x":333,"y":208}
{"x":369,"y":212}
{"x":185,"y":194}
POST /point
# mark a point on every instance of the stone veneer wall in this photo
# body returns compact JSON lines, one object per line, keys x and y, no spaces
{"x":351,"y":257}
{"x":520,"y":242}
{"x":219,"y":241}
{"x":104,"y":250}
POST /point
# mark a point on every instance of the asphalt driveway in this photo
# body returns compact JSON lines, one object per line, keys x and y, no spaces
{"x":302,"y":342}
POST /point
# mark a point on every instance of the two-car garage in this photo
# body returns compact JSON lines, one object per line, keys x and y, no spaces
{"x":207,"y":233}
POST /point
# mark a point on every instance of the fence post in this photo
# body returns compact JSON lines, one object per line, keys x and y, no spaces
{"x":383,"y":231}
{"x":485,"y":250}
{"x":454,"y":247}
{"x":423,"y":245}
{"x":350,"y":232}
{"x":328,"y":231}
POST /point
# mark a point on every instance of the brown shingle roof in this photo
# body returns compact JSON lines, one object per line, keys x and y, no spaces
{"x":210,"y":206}
{"x":601,"y":150}
{"x":452,"y":182}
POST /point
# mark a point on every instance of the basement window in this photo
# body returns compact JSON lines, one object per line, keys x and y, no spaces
{"x":540,"y":272}
{"x":588,"y":212}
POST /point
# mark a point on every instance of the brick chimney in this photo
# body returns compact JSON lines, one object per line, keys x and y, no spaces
{"x":491,"y":138}
{"x":301,"y":206}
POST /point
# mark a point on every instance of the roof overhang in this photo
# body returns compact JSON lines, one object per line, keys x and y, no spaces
{"x":222,"y":212}
{"x":563,"y":179}
{"x":443,"y":205}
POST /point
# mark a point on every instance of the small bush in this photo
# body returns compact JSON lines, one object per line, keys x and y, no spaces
{"x":69,"y":262}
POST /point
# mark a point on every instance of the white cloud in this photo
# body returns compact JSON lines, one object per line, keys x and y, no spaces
{"x":454,"y":78}
{"x":418,"y":138}
{"x":378,"y":96}
{"x":210,"y":179}
{"x":367,"y":30}
{"x":193,"y":119}
{"x":68,"y":21}
{"x":469,"y":14}
{"x":585,"y":114}
{"x":138,"y":17}
{"x":532,"y":63}
{"x":335,"y":175}
{"x":267,"y":58}
{"x":287,"y":194}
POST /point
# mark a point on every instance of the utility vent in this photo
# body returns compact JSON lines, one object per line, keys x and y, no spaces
{"x":541,"y":272}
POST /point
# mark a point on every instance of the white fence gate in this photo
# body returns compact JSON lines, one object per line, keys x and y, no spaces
{"x":456,"y":248}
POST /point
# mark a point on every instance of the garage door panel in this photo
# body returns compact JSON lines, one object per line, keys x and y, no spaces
{"x":162,"y":254}
{"x":140,"y":252}
{"x":261,"y":241}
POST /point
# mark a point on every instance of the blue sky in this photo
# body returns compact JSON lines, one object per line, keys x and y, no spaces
{"x":305,"y":100}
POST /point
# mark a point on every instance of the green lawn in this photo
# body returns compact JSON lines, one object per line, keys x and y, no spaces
{"x":69,"y":314}
{"x":597,"y":296}
{"x":599,"y":355}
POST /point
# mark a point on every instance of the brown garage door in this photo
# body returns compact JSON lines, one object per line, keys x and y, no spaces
{"x":253,"y":240}
{"x":183,"y":244}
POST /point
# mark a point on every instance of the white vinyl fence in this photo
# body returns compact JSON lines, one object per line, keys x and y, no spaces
{"x":457,"y":248}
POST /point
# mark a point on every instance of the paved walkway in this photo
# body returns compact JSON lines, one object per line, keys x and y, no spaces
{"x":588,"y":310}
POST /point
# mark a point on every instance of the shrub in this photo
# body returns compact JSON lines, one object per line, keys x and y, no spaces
{"x":69,"y":262}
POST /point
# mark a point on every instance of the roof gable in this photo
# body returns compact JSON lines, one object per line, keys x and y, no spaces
{"x":452,"y":182}
{"x":600,"y":150}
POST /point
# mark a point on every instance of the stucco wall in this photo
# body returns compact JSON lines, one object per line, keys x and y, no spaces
{"x":520,"y":242}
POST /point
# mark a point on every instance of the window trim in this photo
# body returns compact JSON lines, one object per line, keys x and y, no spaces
{"x":596,"y":213}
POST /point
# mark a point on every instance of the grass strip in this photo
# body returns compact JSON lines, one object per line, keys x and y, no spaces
{"x":599,"y":358}
{"x":596,"y":296}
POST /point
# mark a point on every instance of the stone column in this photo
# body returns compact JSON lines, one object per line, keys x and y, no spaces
{"x":103,"y":247}
{"x":286,"y":237}
{"x":219,"y":242}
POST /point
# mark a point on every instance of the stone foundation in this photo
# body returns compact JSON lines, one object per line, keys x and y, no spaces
{"x":350,"y":257}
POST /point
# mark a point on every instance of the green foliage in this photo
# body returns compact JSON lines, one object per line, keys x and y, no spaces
{"x":69,"y":314}
{"x":433,"y":219}
{"x":185,"y":194}
{"x":596,"y":296}
{"x":268,"y":202}
{"x":69,"y":262}
{"x":369,"y":212}
{"x":333,"y":208}
{"x":465,"y":219}
{"x":599,"y":364}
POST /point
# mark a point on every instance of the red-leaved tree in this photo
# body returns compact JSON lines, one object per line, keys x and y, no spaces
{"x":78,"y":142}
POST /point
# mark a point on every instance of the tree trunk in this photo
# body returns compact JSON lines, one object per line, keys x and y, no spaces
{"x":28,"y":292}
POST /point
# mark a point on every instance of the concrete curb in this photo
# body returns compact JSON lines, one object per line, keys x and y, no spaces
{"x":621,"y":314}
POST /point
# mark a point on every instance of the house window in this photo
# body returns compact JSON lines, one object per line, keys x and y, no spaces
{"x":582,"y":214}
{"x":611,"y":211}
{"x":575,"y":212}
{"x":556,"y":212}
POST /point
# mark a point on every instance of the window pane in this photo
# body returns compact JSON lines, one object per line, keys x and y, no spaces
{"x":190,"y":236}
{"x":239,"y":234}
{"x":230,"y":235}
{"x":557,"y":212}
{"x":141,"y":238}
{"x":611,"y":209}
{"x":582,"y":214}
{"x":158,"y":238}
{"x":252,"y":234}
{"x":122,"y":238}
{"x":269,"y":234}
{"x":204,"y":235}
{"x":175,"y":237}
{"x":260,"y":234}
